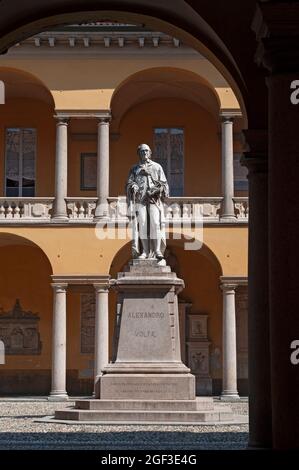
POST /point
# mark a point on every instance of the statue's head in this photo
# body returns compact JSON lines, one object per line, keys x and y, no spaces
{"x":144,"y":152}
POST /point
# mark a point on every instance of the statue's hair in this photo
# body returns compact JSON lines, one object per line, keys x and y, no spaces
{"x":141,"y":145}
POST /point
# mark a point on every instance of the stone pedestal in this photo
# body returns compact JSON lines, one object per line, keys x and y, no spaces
{"x":147,"y":355}
{"x":147,"y":381}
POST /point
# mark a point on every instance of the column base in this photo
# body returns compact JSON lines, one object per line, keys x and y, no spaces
{"x":56,"y":396}
{"x":60,"y":219}
{"x":228,"y":218}
{"x":229,"y":396}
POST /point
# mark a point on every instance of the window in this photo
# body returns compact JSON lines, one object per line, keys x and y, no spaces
{"x":88,"y":171}
{"x":169,"y":152}
{"x":20,"y":162}
{"x":240,"y":174}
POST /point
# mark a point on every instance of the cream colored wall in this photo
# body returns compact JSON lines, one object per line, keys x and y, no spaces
{"x":92,"y":86}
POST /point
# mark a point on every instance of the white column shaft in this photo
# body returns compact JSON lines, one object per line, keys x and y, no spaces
{"x":101,"y":330}
{"x":58,"y":388}
{"x":229,"y":387}
{"x":227,"y":169}
{"x":61,"y":170}
{"x":103,"y":168}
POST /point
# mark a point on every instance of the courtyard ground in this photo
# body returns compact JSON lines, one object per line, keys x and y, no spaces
{"x":18,"y":430}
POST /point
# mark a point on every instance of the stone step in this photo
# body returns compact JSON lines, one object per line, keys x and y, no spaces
{"x":219,"y":414}
{"x":199,"y":404}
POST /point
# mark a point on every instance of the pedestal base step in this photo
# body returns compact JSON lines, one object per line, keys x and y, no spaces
{"x":147,"y":412}
{"x":199,"y":404}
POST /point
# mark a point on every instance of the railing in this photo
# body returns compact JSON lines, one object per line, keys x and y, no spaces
{"x":25,"y":209}
{"x":82,"y":210}
{"x":241,"y":208}
{"x":193,"y":209}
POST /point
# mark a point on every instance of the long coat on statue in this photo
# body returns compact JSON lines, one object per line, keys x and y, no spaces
{"x":152,"y":189}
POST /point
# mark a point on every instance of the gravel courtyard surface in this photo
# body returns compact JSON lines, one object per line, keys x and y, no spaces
{"x":19,"y":431}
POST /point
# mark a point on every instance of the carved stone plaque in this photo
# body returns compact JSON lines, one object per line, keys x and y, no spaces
{"x":19,"y":331}
{"x":242,"y":334}
{"x":199,"y":352}
{"x":87,"y":323}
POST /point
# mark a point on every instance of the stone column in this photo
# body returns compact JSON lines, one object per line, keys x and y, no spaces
{"x":278,"y":52}
{"x":101,"y":353}
{"x":103,"y":169}
{"x":58,"y":387}
{"x":227,"y":209}
{"x":260,"y":412}
{"x":229,"y":345}
{"x":60,"y":212}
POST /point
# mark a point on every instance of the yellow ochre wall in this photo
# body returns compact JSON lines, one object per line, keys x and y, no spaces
{"x":91,"y":86}
{"x":77,"y":250}
{"x":201,"y":151}
{"x":202,"y":145}
{"x":25,"y":274}
{"x":23,"y":112}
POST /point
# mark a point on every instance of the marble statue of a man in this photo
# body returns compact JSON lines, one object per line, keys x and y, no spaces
{"x":146,"y":188}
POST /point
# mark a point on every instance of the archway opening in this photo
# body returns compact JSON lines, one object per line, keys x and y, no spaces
{"x":25,"y":316}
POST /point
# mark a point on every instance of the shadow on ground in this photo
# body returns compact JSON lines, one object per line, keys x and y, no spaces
{"x":145,"y":440}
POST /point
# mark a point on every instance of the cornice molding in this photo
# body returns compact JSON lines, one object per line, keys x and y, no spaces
{"x":233,"y":281}
{"x":230,"y":113}
{"x":83,"y":114}
{"x":81,"y":279}
{"x":97,"y":42}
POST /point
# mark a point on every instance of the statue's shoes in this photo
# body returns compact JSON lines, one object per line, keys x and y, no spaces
{"x":143,"y":256}
{"x":159,"y":255}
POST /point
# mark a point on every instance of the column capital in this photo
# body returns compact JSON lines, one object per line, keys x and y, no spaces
{"x":276,"y":25}
{"x":101,"y":288}
{"x":104,"y":119}
{"x":59,"y":286}
{"x":228,"y":287}
{"x":227,"y":115}
{"x":61,"y":119}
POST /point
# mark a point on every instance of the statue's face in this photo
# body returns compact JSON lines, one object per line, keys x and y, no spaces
{"x":144,"y":153}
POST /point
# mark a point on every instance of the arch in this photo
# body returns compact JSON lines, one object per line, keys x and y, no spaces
{"x":179,"y":20}
{"x":123,"y":255}
{"x":205,"y":251}
{"x":161,"y":82}
{"x":11,"y":239}
{"x":27,"y":303}
{"x":22,"y":84}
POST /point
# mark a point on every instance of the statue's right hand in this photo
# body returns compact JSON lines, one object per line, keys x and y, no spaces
{"x":135,"y":188}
